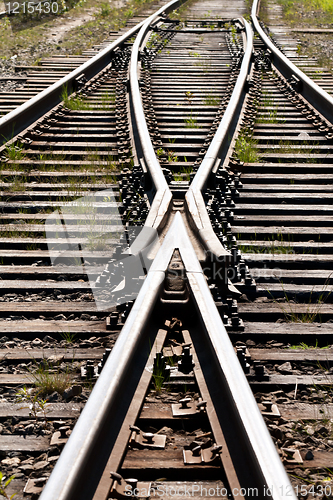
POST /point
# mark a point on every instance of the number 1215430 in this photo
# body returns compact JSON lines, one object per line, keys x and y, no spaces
{"x":32,"y":7}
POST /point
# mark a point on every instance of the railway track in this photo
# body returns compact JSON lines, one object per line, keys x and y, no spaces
{"x":177,"y":202}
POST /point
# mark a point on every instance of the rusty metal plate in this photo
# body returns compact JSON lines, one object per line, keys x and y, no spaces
{"x":269,"y":409}
{"x":147,"y":440}
{"x":130,"y":488}
{"x":291,"y":456}
{"x":202,"y":456}
{"x":35,"y":486}
{"x":56,"y":439}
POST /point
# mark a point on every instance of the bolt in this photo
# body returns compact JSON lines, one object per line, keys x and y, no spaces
{"x":216,"y":449}
{"x":184,"y":402}
{"x":259,"y":369}
{"x":63,"y":431}
{"x":196,"y":451}
{"x":116,"y":476}
{"x":149,"y":436}
{"x":268,"y":405}
{"x":132,"y":483}
{"x":90,"y":368}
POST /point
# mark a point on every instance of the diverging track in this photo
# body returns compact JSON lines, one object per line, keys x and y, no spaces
{"x":177,"y":133}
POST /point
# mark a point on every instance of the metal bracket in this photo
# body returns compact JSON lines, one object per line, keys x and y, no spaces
{"x":290,"y":456}
{"x":35,"y":486}
{"x":187,"y":407}
{"x":185,"y":365}
{"x":148,"y":440}
{"x":295,"y":83}
{"x":174,"y":350}
{"x":268,"y":409}
{"x":60,"y":436}
{"x":258,"y":372}
{"x":124,"y":488}
{"x":89,"y":371}
{"x":244,"y":358}
{"x":199,"y":455}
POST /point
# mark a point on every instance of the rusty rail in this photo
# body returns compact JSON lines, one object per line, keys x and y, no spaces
{"x":314,"y":94}
{"x":195,"y":204}
{"x":79,"y":469}
{"x":23,"y":116}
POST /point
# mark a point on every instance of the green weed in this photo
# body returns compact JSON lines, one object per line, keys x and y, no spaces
{"x":160,"y":152}
{"x":191,"y":121}
{"x":211,"y":100}
{"x":75,"y":102}
{"x":159,"y":372}
{"x":4,"y":483}
{"x":69,"y":337}
{"x":105,"y":10}
{"x":313,"y":307}
{"x":189,"y":96}
{"x":48,"y":379}
{"x":245,"y":149}
{"x":14,"y":151}
{"x":304,"y":346}
{"x":172,"y":156}
{"x":36,"y":405}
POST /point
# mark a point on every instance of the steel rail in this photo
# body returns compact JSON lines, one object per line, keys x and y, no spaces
{"x":74,"y":475}
{"x":195,"y":204}
{"x":163,"y":196}
{"x":27,"y":113}
{"x":83,"y":459}
{"x":261,"y":455}
{"x":312,"y":92}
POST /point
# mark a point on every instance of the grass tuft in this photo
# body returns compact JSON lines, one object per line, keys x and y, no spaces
{"x":48,"y":379}
{"x":245,"y":149}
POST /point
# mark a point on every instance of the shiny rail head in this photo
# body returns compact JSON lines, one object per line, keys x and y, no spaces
{"x":195,"y":204}
{"x":162,"y":201}
{"x":312,"y":92}
{"x":79,"y":455}
{"x":27,"y":113}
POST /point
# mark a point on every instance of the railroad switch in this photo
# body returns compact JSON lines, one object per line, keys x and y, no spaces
{"x":187,"y":407}
{"x":139,"y":439}
{"x":291,"y":456}
{"x":269,"y":409}
{"x":197,"y":454}
{"x":124,"y":488}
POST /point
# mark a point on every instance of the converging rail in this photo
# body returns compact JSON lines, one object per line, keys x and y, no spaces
{"x":97,"y":431}
{"x":159,"y":235}
{"x":316,"y":96}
